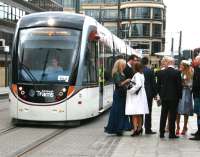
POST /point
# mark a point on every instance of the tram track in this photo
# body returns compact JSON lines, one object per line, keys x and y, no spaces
{"x":33,"y":146}
{"x":7,"y":130}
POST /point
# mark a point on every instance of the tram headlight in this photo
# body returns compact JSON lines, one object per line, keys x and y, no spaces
{"x":60,"y":94}
{"x":22,"y":92}
{"x":64,"y":90}
{"x":31,"y":93}
{"x":20,"y":88}
{"x":51,"y":22}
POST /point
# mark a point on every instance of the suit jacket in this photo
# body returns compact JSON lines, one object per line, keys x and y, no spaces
{"x":150,"y":83}
{"x":159,"y":80}
{"x":169,"y":84}
{"x":128,"y":72}
{"x":196,"y":83}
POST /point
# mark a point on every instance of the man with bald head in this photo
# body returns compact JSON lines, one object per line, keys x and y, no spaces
{"x":196,"y":95}
{"x":170,"y":91}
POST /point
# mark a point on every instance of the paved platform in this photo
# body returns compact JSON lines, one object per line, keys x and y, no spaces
{"x":4,"y":92}
{"x":153,"y":146}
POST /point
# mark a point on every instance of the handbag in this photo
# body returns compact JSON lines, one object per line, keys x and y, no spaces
{"x":131,"y":84}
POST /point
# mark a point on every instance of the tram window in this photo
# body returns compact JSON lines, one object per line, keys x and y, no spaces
{"x":108,"y":61}
{"x":37,"y":52}
{"x":90,"y":69}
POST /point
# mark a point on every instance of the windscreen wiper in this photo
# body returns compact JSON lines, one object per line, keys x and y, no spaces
{"x":26,"y":69}
{"x":45,"y":65}
{"x":28,"y":72}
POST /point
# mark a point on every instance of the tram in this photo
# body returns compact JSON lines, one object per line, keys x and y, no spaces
{"x":61,"y":68}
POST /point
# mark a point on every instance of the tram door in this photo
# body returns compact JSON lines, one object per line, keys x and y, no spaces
{"x":101,"y":74}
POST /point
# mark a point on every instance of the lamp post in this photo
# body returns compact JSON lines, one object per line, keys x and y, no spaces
{"x":77,"y":6}
{"x":118,"y":18}
{"x":179,"y":47}
{"x":172,"y":48}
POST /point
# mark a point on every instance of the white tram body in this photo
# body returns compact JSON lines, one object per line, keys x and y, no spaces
{"x":82,"y":87}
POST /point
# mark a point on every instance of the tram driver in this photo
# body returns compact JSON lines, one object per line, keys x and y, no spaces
{"x":54,"y":70}
{"x":54,"y":67}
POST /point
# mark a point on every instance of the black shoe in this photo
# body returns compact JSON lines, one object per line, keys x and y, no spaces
{"x":173,"y":136}
{"x":140,"y":131}
{"x":136,"y":133}
{"x":195,"y":134}
{"x":162,"y":136}
{"x":150,"y":132}
{"x":195,"y":138}
{"x":119,"y":134}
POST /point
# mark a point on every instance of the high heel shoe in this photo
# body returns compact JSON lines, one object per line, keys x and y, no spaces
{"x":184,"y":131}
{"x":135,"y":133}
{"x":140,"y":131}
{"x":177,"y":132}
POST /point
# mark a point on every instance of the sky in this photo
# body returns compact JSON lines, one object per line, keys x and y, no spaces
{"x":182,"y":15}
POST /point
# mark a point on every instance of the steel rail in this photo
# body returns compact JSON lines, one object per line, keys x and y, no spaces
{"x":37,"y":143}
{"x":7,"y":130}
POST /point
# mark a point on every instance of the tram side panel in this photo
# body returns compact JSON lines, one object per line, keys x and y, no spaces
{"x":42,"y":113}
{"x":13,"y":105}
{"x":108,"y":96}
{"x":85,"y":104}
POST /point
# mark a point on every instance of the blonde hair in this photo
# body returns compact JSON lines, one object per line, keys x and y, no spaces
{"x":187,"y":70}
{"x":118,"y":66}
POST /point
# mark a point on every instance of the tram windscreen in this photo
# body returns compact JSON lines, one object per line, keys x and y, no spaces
{"x":47,"y":54}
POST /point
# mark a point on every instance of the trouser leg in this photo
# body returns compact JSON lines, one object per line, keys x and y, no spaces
{"x":172,"y":118}
{"x":148,"y":116}
{"x":198,"y":124}
{"x":163,"y":117}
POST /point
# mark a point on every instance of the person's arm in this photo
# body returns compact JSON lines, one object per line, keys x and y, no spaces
{"x":195,"y":84}
{"x":179,"y":85}
{"x":138,"y":84}
{"x":153,"y":83}
{"x":158,"y":83}
{"x":119,"y":81}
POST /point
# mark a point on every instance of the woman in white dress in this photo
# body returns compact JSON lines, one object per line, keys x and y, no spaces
{"x":136,"y":100}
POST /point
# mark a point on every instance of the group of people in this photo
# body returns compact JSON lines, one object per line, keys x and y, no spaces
{"x":136,"y":85}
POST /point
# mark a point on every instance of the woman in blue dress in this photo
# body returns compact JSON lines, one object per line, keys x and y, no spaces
{"x":118,"y":121}
{"x":185,"y":106}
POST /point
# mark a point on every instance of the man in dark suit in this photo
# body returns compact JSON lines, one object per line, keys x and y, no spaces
{"x":128,"y":71}
{"x":196,"y":95}
{"x":150,"y":88}
{"x":170,"y":91}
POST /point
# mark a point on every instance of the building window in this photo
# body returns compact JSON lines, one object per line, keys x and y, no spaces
{"x":10,"y":13}
{"x":69,"y":3}
{"x":156,"y":30}
{"x":47,"y":4}
{"x":93,"y":13}
{"x":157,"y":13}
{"x":125,"y":30}
{"x":92,"y":1}
{"x":113,"y":29}
{"x":111,"y":1}
{"x":110,"y":14}
{"x":156,"y":47}
{"x":140,"y":13}
{"x":140,"y":30}
{"x":125,"y":13}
